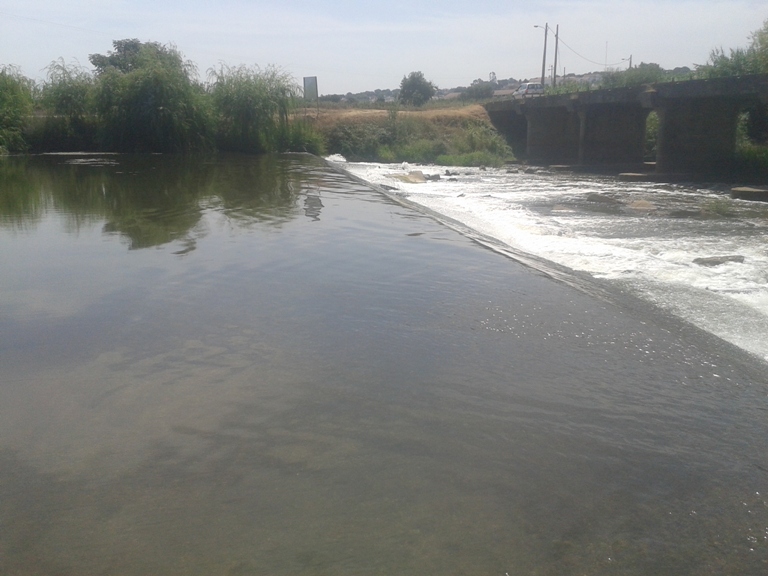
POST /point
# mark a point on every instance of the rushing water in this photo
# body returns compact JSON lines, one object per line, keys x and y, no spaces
{"x":264,"y":366}
{"x":641,"y":237}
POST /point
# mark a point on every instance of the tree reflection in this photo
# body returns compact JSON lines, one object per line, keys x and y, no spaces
{"x":151,"y":200}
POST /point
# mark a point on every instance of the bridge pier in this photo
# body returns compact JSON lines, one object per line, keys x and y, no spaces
{"x":612,"y":134}
{"x":696,"y":135}
{"x":553,"y":135}
{"x":697,"y":124}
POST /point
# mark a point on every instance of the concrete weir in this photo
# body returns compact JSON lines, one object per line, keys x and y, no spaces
{"x":601,"y":128}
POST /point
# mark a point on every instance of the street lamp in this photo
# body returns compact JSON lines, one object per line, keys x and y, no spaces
{"x":544,"y":59}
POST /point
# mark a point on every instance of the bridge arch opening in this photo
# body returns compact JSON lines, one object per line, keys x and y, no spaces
{"x":751,"y":150}
{"x":651,"y":136}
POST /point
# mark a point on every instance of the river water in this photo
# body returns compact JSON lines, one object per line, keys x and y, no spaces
{"x":644,"y":238}
{"x":262,"y":365}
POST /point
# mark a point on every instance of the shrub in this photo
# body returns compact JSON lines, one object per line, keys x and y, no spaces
{"x":147,"y":100}
{"x":67,"y":98}
{"x":251,"y":107}
{"x":482,"y":138}
{"x":739,"y":61}
{"x":479,"y":90}
{"x":15,"y":106}
{"x":641,"y":74}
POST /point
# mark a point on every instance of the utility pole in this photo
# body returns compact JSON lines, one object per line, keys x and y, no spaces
{"x":544,"y":59}
{"x":554,"y":73}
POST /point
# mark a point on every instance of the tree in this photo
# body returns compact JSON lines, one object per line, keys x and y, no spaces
{"x":67,"y":90}
{"x":67,"y":97}
{"x":149,"y":101}
{"x":253,"y":107}
{"x":740,"y":61}
{"x":15,"y":105}
{"x":641,"y":74}
{"x":416,"y":90}
{"x":124,"y":57}
{"x":479,"y":90}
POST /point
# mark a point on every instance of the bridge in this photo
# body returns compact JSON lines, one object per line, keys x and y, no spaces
{"x":606,"y":128}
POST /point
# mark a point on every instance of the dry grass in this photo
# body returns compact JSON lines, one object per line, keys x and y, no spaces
{"x":455,"y":135}
{"x":328,"y":117}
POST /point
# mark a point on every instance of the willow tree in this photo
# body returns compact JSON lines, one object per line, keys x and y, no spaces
{"x":15,"y":106}
{"x":148,"y":99}
{"x":67,"y":98}
{"x":252,"y":107}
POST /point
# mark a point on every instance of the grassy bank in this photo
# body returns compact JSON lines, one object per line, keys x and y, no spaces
{"x":451,"y":136}
{"x":146,"y":97}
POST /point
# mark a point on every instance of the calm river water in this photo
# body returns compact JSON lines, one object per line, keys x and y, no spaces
{"x":265,"y":366}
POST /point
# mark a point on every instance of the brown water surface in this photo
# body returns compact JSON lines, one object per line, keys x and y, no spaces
{"x":263,"y":366}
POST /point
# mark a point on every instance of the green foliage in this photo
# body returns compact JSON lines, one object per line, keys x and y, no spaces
{"x":739,"y":61}
{"x":752,"y":162}
{"x":148,"y":102}
{"x":479,"y":90}
{"x":406,"y":137}
{"x":640,"y":74}
{"x":302,"y":137}
{"x":751,"y":155}
{"x":124,"y":58}
{"x":359,"y":141}
{"x":252,"y":107}
{"x":481,"y":138}
{"x":15,"y":106}
{"x":67,"y":97}
{"x":651,"y":134}
{"x":144,"y":97}
{"x":68,"y":90}
{"x":415,"y":90}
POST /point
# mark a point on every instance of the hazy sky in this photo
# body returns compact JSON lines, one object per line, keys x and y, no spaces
{"x":352,"y":46}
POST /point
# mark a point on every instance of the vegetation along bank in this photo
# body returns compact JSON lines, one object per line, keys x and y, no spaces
{"x":145,"y":97}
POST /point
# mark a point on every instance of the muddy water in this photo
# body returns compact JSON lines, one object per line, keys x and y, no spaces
{"x":262,"y":366}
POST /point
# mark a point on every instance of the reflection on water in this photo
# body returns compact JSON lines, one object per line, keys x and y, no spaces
{"x":146,"y":200}
{"x":261,"y":366}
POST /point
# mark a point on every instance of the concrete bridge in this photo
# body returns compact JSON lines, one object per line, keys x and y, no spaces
{"x":605,"y":128}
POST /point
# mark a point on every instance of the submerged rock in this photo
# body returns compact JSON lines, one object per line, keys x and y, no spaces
{"x":717,"y":260}
{"x":595,"y":197}
{"x":642,"y":205}
{"x":684,"y":213}
{"x":413,"y":177}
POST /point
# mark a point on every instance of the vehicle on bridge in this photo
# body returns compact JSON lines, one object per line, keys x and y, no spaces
{"x":528,"y":89}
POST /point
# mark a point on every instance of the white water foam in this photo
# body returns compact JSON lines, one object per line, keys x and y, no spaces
{"x":643,"y":236}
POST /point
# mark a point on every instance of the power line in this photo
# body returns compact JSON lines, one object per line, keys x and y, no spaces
{"x":591,"y":61}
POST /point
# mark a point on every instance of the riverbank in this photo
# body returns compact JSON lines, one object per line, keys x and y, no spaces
{"x":449,"y":136}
